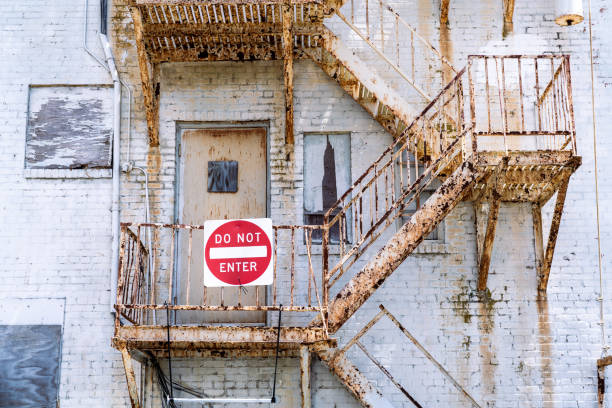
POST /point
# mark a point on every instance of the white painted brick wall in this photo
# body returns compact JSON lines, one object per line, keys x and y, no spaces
{"x":512,"y":352}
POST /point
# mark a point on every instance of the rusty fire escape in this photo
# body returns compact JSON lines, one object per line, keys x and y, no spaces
{"x":499,"y":130}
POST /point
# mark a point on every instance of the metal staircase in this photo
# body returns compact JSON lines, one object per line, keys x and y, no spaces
{"x":483,"y":137}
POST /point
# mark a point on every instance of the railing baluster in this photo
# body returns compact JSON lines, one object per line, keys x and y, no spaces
{"x":132,"y":244}
{"x":189,"y":246}
{"x":376,"y":194}
{"x":537,"y":88}
{"x":308,"y":239}
{"x":371,"y":189}
{"x":554,"y":95}
{"x":153,"y":268}
{"x":505,"y":98}
{"x":488,"y":94}
{"x":520,"y":78}
{"x":360,"y":216}
{"x":342,"y":228}
{"x":386,"y":188}
{"x":501,"y":103}
{"x":292,"y":263}
{"x":135,"y":277}
{"x":171,"y":268}
{"x":401,"y":171}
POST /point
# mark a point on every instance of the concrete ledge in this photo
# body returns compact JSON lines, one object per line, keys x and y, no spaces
{"x":67,"y":173}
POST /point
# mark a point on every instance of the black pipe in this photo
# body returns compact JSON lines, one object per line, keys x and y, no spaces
{"x":273,"y":399}
{"x":103,"y":16}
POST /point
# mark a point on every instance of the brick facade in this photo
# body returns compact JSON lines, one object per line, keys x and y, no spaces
{"x":509,"y":350}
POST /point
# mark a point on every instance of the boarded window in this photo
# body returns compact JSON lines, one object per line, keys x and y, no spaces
{"x":69,"y":127}
{"x":30,"y":365}
{"x":327,"y":175}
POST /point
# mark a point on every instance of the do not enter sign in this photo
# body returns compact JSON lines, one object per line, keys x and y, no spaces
{"x":238,"y":252}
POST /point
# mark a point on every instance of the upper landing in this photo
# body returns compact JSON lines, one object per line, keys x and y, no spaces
{"x":228,"y":30}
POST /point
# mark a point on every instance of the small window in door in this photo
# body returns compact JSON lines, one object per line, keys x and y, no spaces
{"x":327,"y":175}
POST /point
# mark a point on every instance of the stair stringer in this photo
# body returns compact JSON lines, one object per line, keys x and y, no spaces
{"x":385,"y":105}
{"x":353,"y":379}
{"x":401,"y":245}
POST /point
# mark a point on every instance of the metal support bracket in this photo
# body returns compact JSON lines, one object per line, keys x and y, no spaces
{"x":288,"y":70}
{"x":149,"y":76}
{"x":544,"y":272}
{"x":486,"y":237}
{"x":130,"y":377}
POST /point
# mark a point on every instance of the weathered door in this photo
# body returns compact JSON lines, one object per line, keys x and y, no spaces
{"x":223,"y":176}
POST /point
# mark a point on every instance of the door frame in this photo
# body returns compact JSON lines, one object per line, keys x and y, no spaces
{"x":181,"y":126}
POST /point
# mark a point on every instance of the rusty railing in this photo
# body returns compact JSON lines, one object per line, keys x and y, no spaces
{"x":178,"y":253}
{"x":521,"y":102}
{"x":398,"y":44}
{"x":531,"y":111}
{"x":435,"y":143}
{"x":171,"y":28}
{"x":134,"y":259}
{"x":440,"y":139}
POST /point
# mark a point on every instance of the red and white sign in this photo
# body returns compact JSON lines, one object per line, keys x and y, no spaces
{"x":238,"y":252}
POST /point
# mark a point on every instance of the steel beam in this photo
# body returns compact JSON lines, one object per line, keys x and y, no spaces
{"x":215,"y":337}
{"x":149,"y":76}
{"x":538,"y":241}
{"x":487,"y":237}
{"x":552,"y":235}
{"x":130,"y":377}
{"x":288,"y":70}
{"x":444,"y":5}
{"x":602,"y":363}
{"x":485,"y":247}
{"x":353,"y":379}
{"x":305,"y":385}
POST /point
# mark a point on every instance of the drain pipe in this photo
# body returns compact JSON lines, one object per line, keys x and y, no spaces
{"x":110,"y":61}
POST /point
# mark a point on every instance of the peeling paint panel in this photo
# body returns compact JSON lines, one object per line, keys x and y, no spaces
{"x":69,"y":127}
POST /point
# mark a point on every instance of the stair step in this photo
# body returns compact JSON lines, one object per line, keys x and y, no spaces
{"x":402,"y":244}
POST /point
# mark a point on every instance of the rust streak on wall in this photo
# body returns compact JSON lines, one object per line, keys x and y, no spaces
{"x":545,"y":340}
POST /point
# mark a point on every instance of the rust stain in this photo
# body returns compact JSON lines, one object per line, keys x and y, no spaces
{"x":446,"y":49}
{"x":545,"y":340}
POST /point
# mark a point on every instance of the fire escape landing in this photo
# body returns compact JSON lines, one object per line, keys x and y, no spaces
{"x":499,"y":130}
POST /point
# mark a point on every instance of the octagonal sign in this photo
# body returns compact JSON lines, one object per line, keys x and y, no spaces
{"x":238,"y":252}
